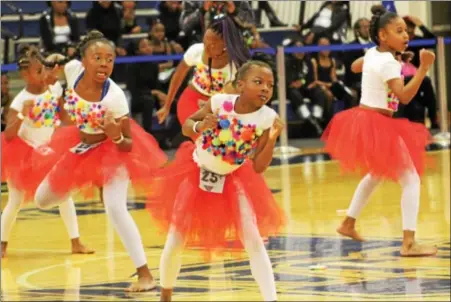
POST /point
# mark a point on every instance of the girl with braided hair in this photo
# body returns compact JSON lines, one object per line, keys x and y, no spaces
{"x":217,"y":194}
{"x":215,"y":63}
{"x":31,"y":121}
{"x":369,"y":140}
{"x":100,"y":149}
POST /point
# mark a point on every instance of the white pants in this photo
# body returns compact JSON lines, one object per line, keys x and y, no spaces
{"x":410,"y":199}
{"x":171,"y":259}
{"x":115,"y":198}
{"x":15,"y":200}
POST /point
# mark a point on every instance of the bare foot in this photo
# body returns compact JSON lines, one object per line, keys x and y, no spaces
{"x":4,"y":246}
{"x":80,"y":248}
{"x":144,"y":284}
{"x":350,"y":232}
{"x":418,"y":250}
{"x":166,"y":294}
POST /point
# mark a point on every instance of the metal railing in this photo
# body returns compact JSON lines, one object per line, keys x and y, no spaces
{"x":8,"y":35}
{"x":442,"y":138}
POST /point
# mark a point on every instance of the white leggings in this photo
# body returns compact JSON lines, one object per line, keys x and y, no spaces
{"x":410,"y":199}
{"x":171,"y":259}
{"x":15,"y":200}
{"x":115,"y":198}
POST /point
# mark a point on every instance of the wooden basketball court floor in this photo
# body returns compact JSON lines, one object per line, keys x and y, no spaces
{"x":311,"y":262}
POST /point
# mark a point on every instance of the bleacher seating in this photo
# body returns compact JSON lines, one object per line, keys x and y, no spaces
{"x":28,"y":7}
{"x":36,"y":7}
{"x":32,"y":11}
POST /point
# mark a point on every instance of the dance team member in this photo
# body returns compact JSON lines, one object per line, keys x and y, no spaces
{"x":215,"y":60}
{"x":368,"y":139}
{"x":100,"y":150}
{"x":31,"y":121}
{"x":213,"y":191}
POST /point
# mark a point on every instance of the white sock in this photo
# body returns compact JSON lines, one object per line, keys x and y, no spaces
{"x":304,"y":112}
{"x":317,"y":111}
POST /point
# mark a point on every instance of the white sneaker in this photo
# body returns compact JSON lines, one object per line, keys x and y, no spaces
{"x":304,"y":112}
{"x":318,"y":112}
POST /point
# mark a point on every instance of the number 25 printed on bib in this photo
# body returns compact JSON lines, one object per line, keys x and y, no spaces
{"x":211,"y":182}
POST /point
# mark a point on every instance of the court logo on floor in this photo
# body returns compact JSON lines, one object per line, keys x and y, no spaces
{"x":305,"y":268}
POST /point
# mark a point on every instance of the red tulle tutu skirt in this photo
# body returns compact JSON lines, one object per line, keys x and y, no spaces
{"x":366,"y":141}
{"x":23,"y":166}
{"x":205,"y":219}
{"x":188,"y":103}
{"x":101,"y":164}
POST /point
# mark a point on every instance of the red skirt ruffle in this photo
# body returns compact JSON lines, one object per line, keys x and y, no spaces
{"x":367,"y":141}
{"x":23,"y":166}
{"x":205,"y":219}
{"x":188,"y":103}
{"x":99,"y":165}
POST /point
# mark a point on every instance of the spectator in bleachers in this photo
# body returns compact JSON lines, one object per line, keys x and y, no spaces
{"x":198,"y":15}
{"x":362,"y":36}
{"x":161,"y":46}
{"x":6,"y":100}
{"x":425,"y":97}
{"x":412,"y":24}
{"x":130,"y":26}
{"x":59,"y":28}
{"x":274,"y":21}
{"x":143,"y":84}
{"x":339,"y":96}
{"x":253,"y":38}
{"x":332,"y":20}
{"x":106,"y":17}
{"x":324,"y":73}
{"x":170,"y":12}
{"x":304,"y":95}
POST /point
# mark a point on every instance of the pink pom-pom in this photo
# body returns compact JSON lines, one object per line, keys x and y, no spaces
{"x":228,"y":106}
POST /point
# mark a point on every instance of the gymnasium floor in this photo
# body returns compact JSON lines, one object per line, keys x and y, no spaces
{"x":311,"y":262}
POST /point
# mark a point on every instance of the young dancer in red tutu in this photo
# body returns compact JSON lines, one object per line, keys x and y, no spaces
{"x":215,"y":60}
{"x":58,"y":72}
{"x":212,"y":192}
{"x":32,"y":117}
{"x":369,"y":140}
{"x":99,"y":149}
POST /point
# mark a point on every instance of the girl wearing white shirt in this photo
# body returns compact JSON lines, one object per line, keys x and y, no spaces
{"x":213,"y":193}
{"x":215,"y":63}
{"x":367,"y":139}
{"x":104,"y":148}
{"x":32,"y":118}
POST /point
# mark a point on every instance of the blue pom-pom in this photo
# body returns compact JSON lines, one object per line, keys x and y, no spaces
{"x":224,"y":124}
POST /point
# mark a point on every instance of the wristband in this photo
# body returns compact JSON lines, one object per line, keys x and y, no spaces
{"x":20,"y":116}
{"x":194,"y":127}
